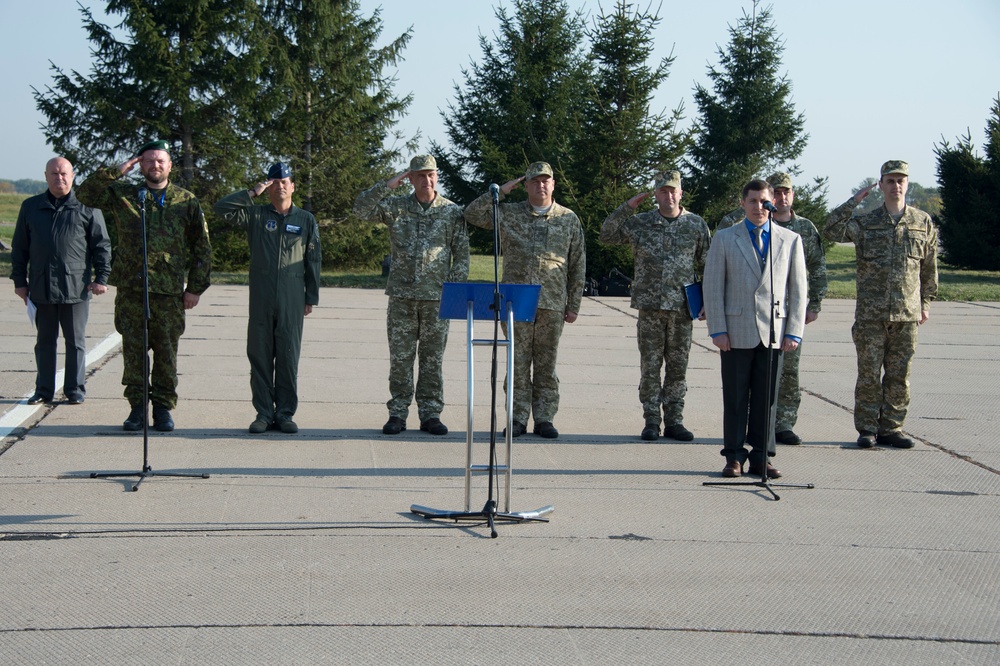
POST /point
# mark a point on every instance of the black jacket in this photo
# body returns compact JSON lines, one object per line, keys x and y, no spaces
{"x":55,"y":251}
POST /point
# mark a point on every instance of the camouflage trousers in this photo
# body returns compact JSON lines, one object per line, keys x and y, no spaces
{"x":664,"y":338}
{"x":416,"y":332}
{"x":882,"y":394}
{"x":536,"y":385}
{"x":789,"y":395}
{"x":166,"y":324}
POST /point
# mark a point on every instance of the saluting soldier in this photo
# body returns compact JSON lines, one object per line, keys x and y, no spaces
{"x":789,"y":394}
{"x":429,"y":246}
{"x":669,"y":247}
{"x":543,"y":244}
{"x":896,"y":248}
{"x":180,"y":267}
{"x":285,"y":263}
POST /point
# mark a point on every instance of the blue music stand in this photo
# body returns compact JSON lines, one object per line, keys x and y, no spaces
{"x":475,"y":301}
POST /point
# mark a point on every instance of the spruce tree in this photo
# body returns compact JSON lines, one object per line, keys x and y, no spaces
{"x":747,"y":125}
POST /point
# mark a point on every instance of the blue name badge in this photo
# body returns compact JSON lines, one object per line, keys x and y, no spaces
{"x":293,"y":229}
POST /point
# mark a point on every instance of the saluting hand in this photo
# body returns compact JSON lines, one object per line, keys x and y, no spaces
{"x":125,"y":167}
{"x":510,"y":185}
{"x":396,"y":180}
{"x":634,"y":202}
{"x":260,"y":188}
{"x":860,"y":196}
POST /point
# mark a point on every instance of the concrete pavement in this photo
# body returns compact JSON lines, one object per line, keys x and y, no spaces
{"x":300,"y":549}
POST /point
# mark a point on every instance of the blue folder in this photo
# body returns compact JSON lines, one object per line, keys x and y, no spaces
{"x":695,"y":300}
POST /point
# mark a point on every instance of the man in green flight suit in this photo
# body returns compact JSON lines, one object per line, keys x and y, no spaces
{"x":180,"y":266}
{"x":430,"y":246}
{"x":285,"y":262}
{"x":896,"y":249}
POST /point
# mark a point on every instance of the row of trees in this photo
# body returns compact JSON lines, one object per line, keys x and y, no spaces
{"x":235,"y":84}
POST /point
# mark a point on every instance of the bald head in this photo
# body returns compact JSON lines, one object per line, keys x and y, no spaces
{"x":59,"y":176}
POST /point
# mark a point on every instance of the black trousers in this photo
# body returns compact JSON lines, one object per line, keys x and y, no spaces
{"x":72,"y":319}
{"x":748,"y":415}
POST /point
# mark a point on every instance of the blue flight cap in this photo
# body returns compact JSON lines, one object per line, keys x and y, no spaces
{"x":278,"y":171}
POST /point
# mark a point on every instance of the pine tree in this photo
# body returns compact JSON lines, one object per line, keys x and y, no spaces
{"x":970,"y":197}
{"x":747,"y":126}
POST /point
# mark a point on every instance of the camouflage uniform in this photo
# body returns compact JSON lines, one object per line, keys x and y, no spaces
{"x":896,"y":280}
{"x":789,"y":395}
{"x":178,"y":252}
{"x":285,"y":263}
{"x":547,"y":250}
{"x":668,"y":254}
{"x":430,"y":246}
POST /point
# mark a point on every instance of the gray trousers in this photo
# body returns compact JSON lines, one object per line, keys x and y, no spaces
{"x":72,"y":319}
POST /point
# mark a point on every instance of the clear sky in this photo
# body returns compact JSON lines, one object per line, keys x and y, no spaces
{"x":875,"y":80}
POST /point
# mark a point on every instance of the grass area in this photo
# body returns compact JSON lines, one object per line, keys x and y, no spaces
{"x":480,"y":270}
{"x":953,"y":284}
{"x":10,"y":206}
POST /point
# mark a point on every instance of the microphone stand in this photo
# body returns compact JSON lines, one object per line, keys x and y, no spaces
{"x":770,"y":406}
{"x":146,"y":470}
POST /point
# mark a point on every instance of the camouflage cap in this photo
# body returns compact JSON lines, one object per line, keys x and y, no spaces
{"x":780,"y":179}
{"x":423,"y":163}
{"x":157,"y":144}
{"x":667,"y":179}
{"x":896,"y":166}
{"x":536,"y":169}
{"x":279,"y":170}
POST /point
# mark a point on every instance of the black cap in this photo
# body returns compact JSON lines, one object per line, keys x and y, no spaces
{"x":278,"y":171}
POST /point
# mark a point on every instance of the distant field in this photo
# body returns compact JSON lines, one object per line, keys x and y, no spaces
{"x":10,"y":205}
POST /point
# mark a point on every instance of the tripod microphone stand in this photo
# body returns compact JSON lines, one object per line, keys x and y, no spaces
{"x":147,"y":470}
{"x":771,"y":405}
{"x":489,"y":513}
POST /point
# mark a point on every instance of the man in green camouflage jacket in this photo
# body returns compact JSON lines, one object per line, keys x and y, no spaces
{"x":896,"y":248}
{"x":789,"y":395}
{"x":180,"y":266}
{"x":543,"y":244}
{"x":429,"y":246}
{"x":669,"y":246}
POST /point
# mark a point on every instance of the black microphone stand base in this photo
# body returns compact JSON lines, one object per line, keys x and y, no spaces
{"x":489,"y":515}
{"x":146,"y":473}
{"x":764,"y":483}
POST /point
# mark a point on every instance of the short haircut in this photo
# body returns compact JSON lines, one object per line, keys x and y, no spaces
{"x":756,"y":185}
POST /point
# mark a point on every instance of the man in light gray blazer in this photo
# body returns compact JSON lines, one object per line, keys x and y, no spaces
{"x":754,"y":269}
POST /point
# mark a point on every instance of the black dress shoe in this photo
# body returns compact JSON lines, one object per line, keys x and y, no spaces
{"x":651,"y":432}
{"x":161,"y":419}
{"x":394,"y":426}
{"x":135,"y":419}
{"x":733,"y":469}
{"x":288,"y":426}
{"x":546,"y":429}
{"x":434,"y":426}
{"x":866,"y":440}
{"x":787,"y":437}
{"x":517,"y":430}
{"x":37,"y":399}
{"x":772,"y":471}
{"x":896,"y":440}
{"x":679,"y":432}
{"x":75,"y":399}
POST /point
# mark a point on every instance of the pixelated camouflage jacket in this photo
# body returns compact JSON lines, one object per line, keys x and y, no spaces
{"x":668,"y":254}
{"x":547,"y":250}
{"x":178,"y":249}
{"x":896,"y":262}
{"x":429,"y":247}
{"x":812,"y":244}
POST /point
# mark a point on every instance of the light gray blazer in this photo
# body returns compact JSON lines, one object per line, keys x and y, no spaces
{"x":738,"y":293}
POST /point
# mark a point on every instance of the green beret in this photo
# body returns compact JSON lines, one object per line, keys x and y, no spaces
{"x":158,"y":144}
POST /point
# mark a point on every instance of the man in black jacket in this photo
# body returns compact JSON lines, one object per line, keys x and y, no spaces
{"x":61,"y":255}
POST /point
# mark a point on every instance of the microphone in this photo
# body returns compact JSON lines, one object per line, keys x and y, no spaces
{"x":143,"y":192}
{"x":767,"y":205}
{"x":495,"y":192}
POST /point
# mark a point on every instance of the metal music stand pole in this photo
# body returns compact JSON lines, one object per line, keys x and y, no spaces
{"x":146,"y":470}
{"x":485,"y":301}
{"x":772,"y":403}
